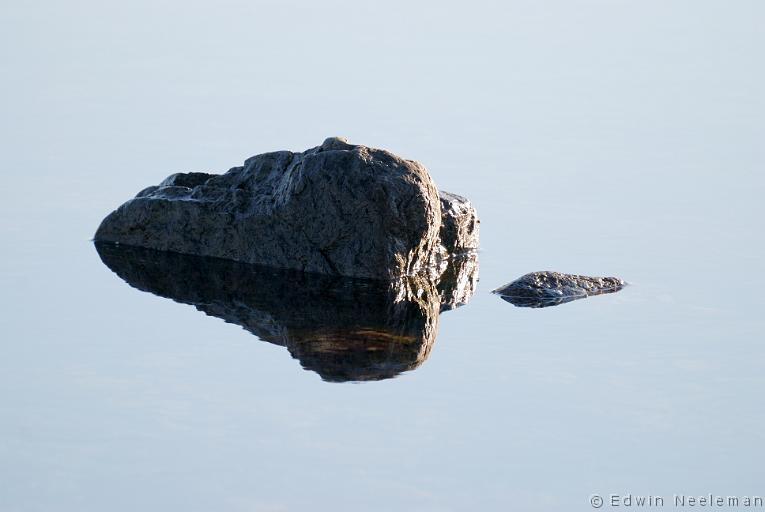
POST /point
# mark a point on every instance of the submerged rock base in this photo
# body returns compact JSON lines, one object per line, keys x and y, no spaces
{"x":544,"y":289}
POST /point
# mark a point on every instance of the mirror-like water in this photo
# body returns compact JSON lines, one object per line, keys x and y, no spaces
{"x":594,"y":138}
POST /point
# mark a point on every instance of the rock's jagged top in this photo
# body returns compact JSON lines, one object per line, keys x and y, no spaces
{"x":338,"y":209}
{"x":543,"y":289}
{"x":342,"y":328}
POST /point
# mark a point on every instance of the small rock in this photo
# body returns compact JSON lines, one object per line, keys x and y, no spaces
{"x":543,"y":289}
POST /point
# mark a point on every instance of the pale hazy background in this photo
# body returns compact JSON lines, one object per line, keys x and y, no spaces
{"x":603,"y":137}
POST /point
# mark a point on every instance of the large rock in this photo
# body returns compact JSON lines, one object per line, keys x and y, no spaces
{"x":337,"y":209}
{"x":543,"y":289}
{"x":344,"y":329}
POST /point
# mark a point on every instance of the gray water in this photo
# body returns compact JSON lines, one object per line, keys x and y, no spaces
{"x":600,"y":138}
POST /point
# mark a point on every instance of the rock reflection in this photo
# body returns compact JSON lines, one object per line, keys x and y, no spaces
{"x":343,"y":329}
{"x":539,"y":302}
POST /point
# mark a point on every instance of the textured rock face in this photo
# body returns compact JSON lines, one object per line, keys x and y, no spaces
{"x":459,"y":224}
{"x":337,"y":209}
{"x":543,"y":289}
{"x":342,"y":328}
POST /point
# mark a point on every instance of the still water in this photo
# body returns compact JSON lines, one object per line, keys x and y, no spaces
{"x":614,"y":139}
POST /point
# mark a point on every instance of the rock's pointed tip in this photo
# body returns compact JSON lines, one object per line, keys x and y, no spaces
{"x":335,"y":143}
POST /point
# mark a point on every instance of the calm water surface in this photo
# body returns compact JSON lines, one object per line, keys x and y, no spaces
{"x":593,"y":138}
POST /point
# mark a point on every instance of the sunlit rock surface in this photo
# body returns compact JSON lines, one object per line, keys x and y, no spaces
{"x":544,"y":289}
{"x":336,"y":209}
{"x":344,"y":329}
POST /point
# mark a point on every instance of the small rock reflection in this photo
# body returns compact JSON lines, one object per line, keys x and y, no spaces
{"x":341,"y":328}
